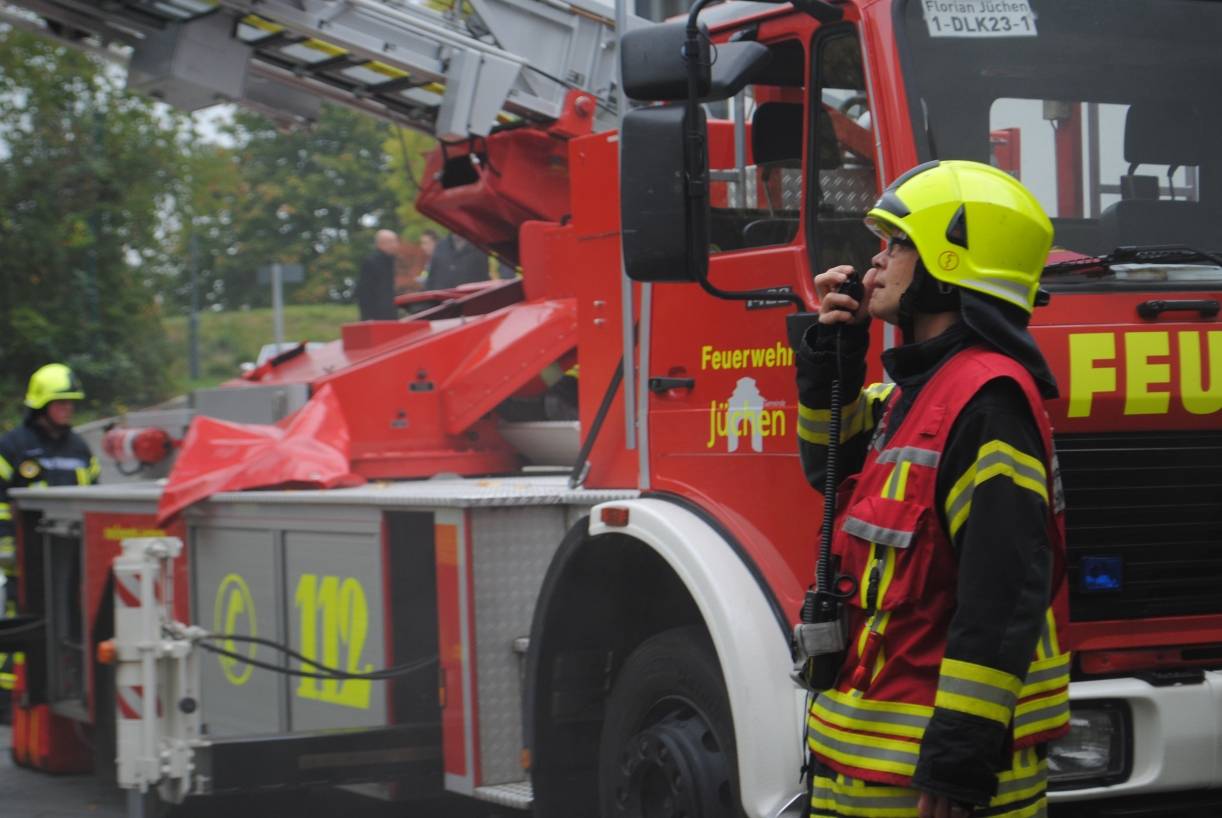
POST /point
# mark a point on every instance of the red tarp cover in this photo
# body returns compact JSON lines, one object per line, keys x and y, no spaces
{"x":311,"y":451}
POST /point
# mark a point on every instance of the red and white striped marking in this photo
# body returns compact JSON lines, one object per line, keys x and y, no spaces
{"x":127,"y":589}
{"x":131,"y":701}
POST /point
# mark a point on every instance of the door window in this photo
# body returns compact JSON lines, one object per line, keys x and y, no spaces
{"x":755,"y":157}
{"x":844,"y":183}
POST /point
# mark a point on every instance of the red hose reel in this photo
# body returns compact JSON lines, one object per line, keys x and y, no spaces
{"x":144,"y":447}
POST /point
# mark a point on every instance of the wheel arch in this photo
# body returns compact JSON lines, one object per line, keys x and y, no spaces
{"x":610,"y":588}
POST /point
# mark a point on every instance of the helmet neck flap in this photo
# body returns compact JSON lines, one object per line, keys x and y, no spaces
{"x":1004,"y":327}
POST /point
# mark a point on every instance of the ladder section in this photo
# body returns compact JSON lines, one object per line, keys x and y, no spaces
{"x":452,"y":73}
{"x":506,"y":61}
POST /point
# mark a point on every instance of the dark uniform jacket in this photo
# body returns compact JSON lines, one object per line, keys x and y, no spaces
{"x":998,"y":575}
{"x":452,"y":265}
{"x":375,"y":289}
{"x":30,"y":457}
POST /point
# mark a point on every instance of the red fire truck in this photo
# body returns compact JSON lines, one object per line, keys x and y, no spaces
{"x":616,"y":640}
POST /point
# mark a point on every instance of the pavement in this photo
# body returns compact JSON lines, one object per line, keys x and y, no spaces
{"x":29,"y":794}
{"x":32,"y":794}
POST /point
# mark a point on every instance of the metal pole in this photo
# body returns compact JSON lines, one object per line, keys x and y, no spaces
{"x":95,"y":220}
{"x":1092,"y":123}
{"x":278,"y":304}
{"x":642,"y":394}
{"x":626,"y":316}
{"x":193,"y":316}
{"x":740,"y":149}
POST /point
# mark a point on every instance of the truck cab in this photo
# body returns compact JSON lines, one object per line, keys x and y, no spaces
{"x":1067,"y":97}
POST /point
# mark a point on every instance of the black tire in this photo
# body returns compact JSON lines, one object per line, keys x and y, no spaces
{"x":667,"y":748}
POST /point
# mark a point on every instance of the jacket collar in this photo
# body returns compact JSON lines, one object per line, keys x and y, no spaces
{"x":911,"y":365}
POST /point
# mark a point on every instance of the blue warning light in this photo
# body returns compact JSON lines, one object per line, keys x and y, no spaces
{"x":1101,"y":574}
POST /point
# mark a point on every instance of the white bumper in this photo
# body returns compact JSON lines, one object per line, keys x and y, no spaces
{"x":1176,"y":735}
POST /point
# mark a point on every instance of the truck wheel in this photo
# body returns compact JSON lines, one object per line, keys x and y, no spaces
{"x":667,"y":747}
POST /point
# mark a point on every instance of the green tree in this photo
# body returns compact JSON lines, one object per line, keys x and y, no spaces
{"x":86,"y":176}
{"x":408,"y":151}
{"x":312,"y":196}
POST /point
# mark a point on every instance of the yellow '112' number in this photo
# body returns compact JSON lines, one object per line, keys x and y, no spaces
{"x":344,"y":612}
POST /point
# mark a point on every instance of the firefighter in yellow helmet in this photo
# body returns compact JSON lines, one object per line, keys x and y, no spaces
{"x":950,"y":518}
{"x":42,"y":451}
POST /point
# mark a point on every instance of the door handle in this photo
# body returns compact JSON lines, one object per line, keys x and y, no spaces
{"x":661,"y":385}
{"x":1207,"y":307}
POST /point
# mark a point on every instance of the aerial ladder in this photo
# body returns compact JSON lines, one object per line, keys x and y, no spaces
{"x":453,"y":73}
{"x":466,"y":73}
{"x":503,"y":85}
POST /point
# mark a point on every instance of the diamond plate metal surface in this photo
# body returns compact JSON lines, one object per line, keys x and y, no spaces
{"x":458,"y":492}
{"x":849,"y":190}
{"x":517,"y":796}
{"x":454,"y":492}
{"x":791,"y":189}
{"x":511,"y":550}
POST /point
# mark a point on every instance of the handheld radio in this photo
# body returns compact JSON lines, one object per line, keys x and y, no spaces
{"x":821,"y":638}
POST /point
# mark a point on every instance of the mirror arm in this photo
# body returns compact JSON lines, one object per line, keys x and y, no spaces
{"x":698,"y":187}
{"x":694,"y":138}
{"x":698,"y":183}
{"x":749,"y":295}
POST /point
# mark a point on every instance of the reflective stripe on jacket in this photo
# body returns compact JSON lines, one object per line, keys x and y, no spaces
{"x":891,"y":539}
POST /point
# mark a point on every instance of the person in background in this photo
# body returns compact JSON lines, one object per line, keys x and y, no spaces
{"x":456,"y":261}
{"x":428,"y":244}
{"x":375,"y":289}
{"x":42,"y":451}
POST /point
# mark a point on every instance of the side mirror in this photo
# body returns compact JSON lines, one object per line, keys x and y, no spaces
{"x":665,"y":229}
{"x":653,"y":64}
{"x":656,"y":71}
{"x":737,"y":64}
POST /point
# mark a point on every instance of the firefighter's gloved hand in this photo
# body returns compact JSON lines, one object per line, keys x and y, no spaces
{"x":8,"y":553}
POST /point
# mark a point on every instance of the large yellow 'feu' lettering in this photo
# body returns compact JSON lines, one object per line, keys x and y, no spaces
{"x":1148,"y":382}
{"x":1086,"y":349}
{"x":1141,"y":374}
{"x":1199,"y":397}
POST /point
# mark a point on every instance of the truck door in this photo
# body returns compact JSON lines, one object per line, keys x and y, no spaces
{"x":787,"y":193}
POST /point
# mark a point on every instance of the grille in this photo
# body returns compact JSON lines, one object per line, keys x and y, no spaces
{"x":1154,"y":501}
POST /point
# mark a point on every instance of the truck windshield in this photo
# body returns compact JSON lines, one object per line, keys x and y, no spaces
{"x":1108,"y":110}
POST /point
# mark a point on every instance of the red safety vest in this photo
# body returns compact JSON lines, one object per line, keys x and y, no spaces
{"x":890,"y":537}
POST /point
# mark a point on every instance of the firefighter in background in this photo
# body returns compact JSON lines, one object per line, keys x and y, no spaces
{"x":43,"y":451}
{"x":954,"y":678}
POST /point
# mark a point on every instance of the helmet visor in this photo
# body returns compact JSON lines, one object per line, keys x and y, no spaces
{"x":888,"y":232}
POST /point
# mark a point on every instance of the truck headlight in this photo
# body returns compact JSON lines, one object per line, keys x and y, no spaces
{"x":1095,"y":752}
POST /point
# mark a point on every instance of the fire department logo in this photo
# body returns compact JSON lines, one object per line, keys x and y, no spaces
{"x":949,"y":260}
{"x":29,"y":469}
{"x":745,"y":418}
{"x":234,"y":613}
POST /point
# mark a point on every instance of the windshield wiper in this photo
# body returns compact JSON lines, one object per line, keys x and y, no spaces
{"x":1136,"y":254}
